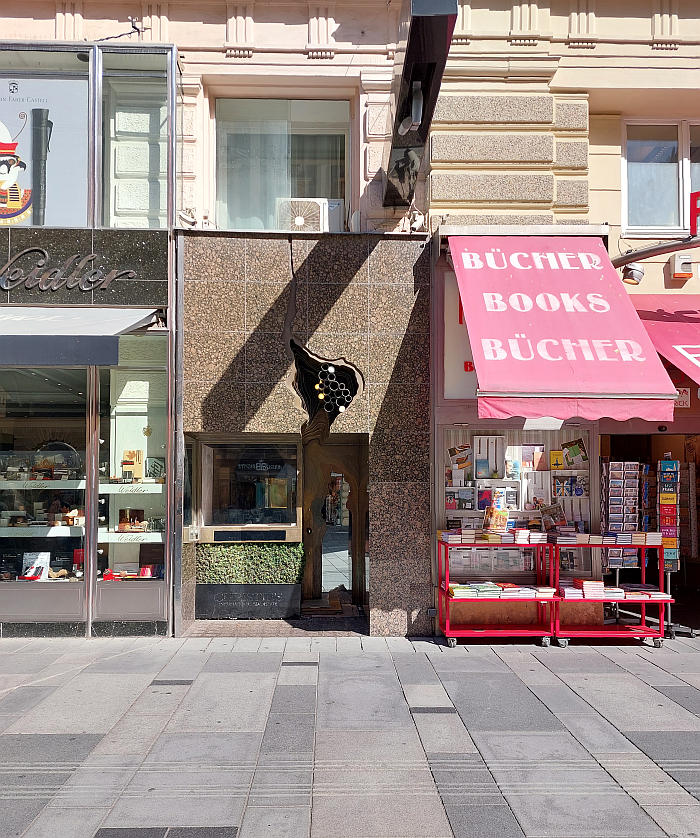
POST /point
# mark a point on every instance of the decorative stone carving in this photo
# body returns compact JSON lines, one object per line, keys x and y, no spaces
{"x":582,"y":31}
{"x":239,"y":30}
{"x":665,"y":30}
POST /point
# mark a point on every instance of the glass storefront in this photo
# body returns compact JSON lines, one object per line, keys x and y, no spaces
{"x":63,"y":556}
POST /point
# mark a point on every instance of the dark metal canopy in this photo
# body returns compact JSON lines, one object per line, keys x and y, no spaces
{"x":425,"y":33}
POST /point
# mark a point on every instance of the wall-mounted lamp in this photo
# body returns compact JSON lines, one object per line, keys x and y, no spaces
{"x":413,"y":121}
{"x":633,"y":273}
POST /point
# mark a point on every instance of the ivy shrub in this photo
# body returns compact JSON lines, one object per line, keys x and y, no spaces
{"x":250,"y":564}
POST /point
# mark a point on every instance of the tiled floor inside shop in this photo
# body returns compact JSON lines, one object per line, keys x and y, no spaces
{"x":336,"y":558}
{"x":347,"y":737}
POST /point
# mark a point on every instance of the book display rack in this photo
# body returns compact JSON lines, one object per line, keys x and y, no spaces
{"x":548,"y":593}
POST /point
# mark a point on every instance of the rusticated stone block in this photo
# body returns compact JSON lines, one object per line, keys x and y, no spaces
{"x":572,"y":155}
{"x":495,"y":110}
{"x":572,"y":193}
{"x":572,"y":116}
{"x":492,"y":148}
{"x":468,"y":220}
{"x":511,"y":188}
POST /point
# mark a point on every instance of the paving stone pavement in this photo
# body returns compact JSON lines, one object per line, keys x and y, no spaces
{"x":347,"y":737}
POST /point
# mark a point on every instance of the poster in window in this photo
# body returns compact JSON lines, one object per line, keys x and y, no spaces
{"x":43,"y":152}
{"x":277,"y":493}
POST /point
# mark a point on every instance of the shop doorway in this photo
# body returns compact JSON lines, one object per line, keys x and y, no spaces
{"x":335,"y":498}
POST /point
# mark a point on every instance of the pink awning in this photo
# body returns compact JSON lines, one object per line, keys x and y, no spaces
{"x":554,"y":332}
{"x":673,"y":324}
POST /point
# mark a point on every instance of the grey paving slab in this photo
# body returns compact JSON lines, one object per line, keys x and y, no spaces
{"x":47,"y":748}
{"x":22,"y":699}
{"x":168,"y":781}
{"x":243,"y":662}
{"x":206,"y":809}
{"x":323,"y":644}
{"x":497,"y":702}
{"x":665,"y":747}
{"x":459,"y":660}
{"x":399,"y":645}
{"x":371,"y":747}
{"x":245,"y":644}
{"x":484,"y":820}
{"x":143,"y":832}
{"x":285,"y":785}
{"x":184,"y":665}
{"x":159,"y":699}
{"x":686,"y":696}
{"x":379,"y":816}
{"x":141,"y":660}
{"x":16,"y":814}
{"x":677,"y":821}
{"x":426,"y":695}
{"x":641,"y":667}
{"x":289,"y":733}
{"x":360,"y":692}
{"x":414,"y":668}
{"x":294,"y":699}
{"x":133,"y":734}
{"x":562,"y":660}
{"x":227,"y":644}
{"x":269,"y":644}
{"x":205,"y":748}
{"x":560,"y":699}
{"x":374,"y":644}
{"x":96,"y":702}
{"x":348,"y":645}
{"x":677,"y":664}
{"x":93,"y":786}
{"x":297,"y":676}
{"x":464,"y":779}
{"x":278,"y":822}
{"x":443,"y":734}
{"x":26,"y":664}
{"x":225,"y":702}
{"x":8,"y":721}
{"x":631,"y":704}
{"x":203,"y":832}
{"x":530,"y":748}
{"x":529,"y":669}
{"x":67,"y":823}
{"x":643,"y":780}
{"x":596,"y":734}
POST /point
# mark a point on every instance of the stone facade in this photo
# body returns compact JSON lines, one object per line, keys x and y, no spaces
{"x":361,"y":297}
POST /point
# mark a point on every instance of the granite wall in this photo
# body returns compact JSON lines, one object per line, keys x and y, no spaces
{"x":365,"y":298}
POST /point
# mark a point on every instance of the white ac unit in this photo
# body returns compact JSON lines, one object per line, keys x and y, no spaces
{"x":302,"y":215}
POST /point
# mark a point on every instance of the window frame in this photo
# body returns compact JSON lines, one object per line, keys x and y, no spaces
{"x":684,"y":187}
{"x":351,"y":200}
{"x":95,"y":214}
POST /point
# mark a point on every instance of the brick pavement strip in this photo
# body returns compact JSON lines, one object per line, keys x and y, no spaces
{"x":345,"y":736}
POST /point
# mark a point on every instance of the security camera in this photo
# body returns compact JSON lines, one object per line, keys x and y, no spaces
{"x":632,"y":273}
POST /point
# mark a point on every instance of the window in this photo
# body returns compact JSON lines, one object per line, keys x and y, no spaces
{"x":252,"y":484}
{"x":281,"y":164}
{"x":663,"y":167}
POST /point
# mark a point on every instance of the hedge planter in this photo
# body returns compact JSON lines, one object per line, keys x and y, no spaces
{"x":248,"y":581}
{"x":247,"y":602}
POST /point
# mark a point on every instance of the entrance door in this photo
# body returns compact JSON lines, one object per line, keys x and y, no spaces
{"x":334,"y":515}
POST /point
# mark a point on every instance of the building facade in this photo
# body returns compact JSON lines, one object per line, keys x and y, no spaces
{"x":569,"y":113}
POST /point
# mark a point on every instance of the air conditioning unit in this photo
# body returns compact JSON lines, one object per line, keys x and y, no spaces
{"x":302,"y":215}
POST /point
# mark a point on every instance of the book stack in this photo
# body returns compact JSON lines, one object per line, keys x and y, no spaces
{"x":508,"y":537}
{"x":668,"y":473}
{"x":654,"y":539}
{"x":592,"y":588}
{"x":624,"y":538}
{"x":486,"y":589}
{"x":659,"y":595}
{"x":522,"y":536}
{"x":609,"y":538}
{"x":583,"y":538}
{"x":450,"y":536}
{"x":595,"y":539}
{"x":545,"y":592}
{"x":538,"y":537}
{"x":567,"y":590}
{"x":613,"y":593}
{"x":639,"y":539}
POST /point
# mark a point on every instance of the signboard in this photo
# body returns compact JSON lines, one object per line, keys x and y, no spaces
{"x":683,"y":397}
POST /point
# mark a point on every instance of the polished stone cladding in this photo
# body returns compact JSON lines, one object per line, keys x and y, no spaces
{"x":362,"y":297}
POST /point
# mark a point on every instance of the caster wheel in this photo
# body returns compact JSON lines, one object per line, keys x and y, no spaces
{"x":562,"y":642}
{"x":658,"y":643}
{"x":672,"y":635}
{"x":452,"y":642}
{"x":545,"y":642}
{"x":693,"y":634}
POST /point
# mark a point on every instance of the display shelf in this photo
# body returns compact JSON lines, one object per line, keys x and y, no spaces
{"x":107,"y":536}
{"x":42,"y":532}
{"x":615,"y":630}
{"x":543,"y":628}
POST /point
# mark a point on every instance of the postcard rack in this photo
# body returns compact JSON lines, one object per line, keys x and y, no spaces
{"x":545,"y":626}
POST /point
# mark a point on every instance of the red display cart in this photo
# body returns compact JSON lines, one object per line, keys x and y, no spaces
{"x":545,"y":626}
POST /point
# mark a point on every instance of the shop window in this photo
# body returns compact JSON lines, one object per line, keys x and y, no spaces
{"x":251,"y":484}
{"x":663,"y":167}
{"x":44,"y":132}
{"x":133,"y":461}
{"x":542,"y":480}
{"x":281,"y":164}
{"x":42,"y":475}
{"x":135,"y":140}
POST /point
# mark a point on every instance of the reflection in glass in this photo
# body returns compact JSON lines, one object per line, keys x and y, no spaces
{"x":42,"y":475}
{"x":253,"y":484}
{"x":652,"y":176}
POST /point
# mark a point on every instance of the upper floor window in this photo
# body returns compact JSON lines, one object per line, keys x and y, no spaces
{"x":663,"y":168}
{"x":281,"y":164}
{"x":64,"y":163}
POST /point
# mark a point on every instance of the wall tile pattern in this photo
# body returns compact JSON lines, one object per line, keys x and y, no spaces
{"x":365,"y":298}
